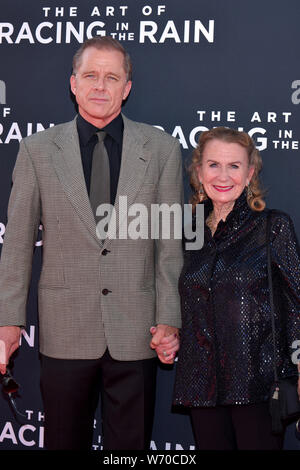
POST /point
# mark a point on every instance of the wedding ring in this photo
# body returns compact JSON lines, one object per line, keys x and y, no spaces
{"x":164,"y":353}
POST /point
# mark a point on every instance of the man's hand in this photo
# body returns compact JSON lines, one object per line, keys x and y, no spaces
{"x":165,"y":340}
{"x":9,"y":342}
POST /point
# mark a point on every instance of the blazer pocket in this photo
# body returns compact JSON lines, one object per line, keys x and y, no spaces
{"x":52,"y":278}
{"x":147,"y":188}
{"x":52,"y":287}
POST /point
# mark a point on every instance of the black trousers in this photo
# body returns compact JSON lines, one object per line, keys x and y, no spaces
{"x":71,"y":390}
{"x":245,"y":427}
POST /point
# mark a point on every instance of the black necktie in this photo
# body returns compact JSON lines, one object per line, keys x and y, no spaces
{"x":100,"y":175}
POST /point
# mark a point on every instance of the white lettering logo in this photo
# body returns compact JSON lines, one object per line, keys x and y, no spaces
{"x":2,"y":231}
{"x":2,"y":92}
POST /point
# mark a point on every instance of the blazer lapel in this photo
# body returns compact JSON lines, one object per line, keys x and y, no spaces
{"x":68,"y":167}
{"x":135,"y":160}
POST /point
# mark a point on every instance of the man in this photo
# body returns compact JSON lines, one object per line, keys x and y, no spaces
{"x":98,"y":298}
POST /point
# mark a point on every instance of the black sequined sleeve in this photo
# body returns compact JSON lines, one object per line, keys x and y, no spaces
{"x":286,"y":258}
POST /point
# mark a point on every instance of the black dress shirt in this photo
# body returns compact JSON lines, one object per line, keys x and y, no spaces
{"x":226,"y":353}
{"x":113,"y":144}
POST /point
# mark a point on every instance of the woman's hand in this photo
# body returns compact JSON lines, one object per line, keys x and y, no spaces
{"x":165,"y":341}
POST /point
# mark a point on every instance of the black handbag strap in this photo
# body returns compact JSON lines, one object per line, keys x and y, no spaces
{"x":270,"y":282}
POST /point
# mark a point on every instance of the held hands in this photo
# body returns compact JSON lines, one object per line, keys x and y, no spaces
{"x":165,"y":340}
{"x":9,"y":342}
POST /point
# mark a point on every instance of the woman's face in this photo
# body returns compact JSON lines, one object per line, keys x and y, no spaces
{"x":224,"y":171}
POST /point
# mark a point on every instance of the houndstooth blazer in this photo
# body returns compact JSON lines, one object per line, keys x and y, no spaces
{"x":91,"y":294}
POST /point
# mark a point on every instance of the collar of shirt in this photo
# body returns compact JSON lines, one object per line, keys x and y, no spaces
{"x":86,"y":130}
{"x":240,"y":214}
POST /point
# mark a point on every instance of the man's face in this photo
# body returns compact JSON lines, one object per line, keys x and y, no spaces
{"x":100,"y":85}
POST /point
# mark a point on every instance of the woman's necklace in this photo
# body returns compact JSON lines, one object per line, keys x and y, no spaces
{"x":212,"y":223}
{"x":213,"y":220}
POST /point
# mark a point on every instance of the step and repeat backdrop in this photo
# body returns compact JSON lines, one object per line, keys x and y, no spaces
{"x":197,"y":64}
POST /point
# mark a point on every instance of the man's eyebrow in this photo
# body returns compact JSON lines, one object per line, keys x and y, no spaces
{"x":217,"y":161}
{"x":116,"y":74}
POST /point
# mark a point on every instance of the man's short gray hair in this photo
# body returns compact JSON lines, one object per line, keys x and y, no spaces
{"x":103,"y":42}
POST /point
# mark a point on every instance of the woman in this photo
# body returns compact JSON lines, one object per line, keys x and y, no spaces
{"x":225,"y":362}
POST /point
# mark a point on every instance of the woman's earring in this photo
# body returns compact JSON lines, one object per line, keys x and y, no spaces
{"x":249,"y":192}
{"x":201,"y":193}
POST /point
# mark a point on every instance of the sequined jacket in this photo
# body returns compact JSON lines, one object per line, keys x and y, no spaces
{"x":226,"y":354}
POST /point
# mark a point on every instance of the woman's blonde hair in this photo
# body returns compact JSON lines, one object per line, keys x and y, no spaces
{"x":254,"y":191}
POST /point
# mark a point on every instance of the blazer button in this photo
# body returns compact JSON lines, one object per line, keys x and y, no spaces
{"x":105,"y":291}
{"x":104,"y":252}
